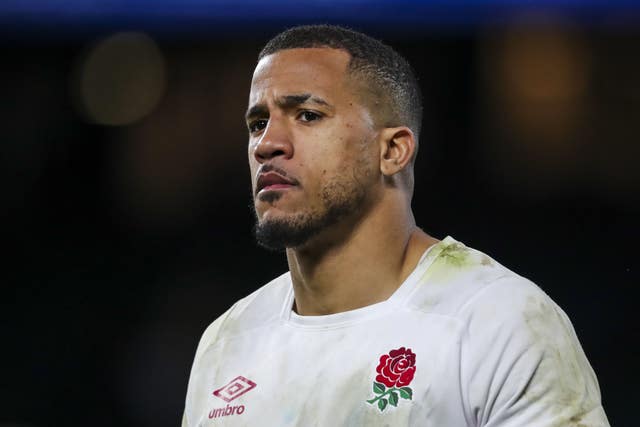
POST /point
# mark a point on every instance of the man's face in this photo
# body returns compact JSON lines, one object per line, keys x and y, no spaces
{"x":312,"y":154}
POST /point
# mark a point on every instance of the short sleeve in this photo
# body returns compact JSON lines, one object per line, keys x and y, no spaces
{"x":521,"y":363}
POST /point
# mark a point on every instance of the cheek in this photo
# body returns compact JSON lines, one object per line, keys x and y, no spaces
{"x":253,"y":166}
{"x":251,"y":148}
{"x":345,"y":164}
{"x":342,"y":146}
{"x":334,"y":154}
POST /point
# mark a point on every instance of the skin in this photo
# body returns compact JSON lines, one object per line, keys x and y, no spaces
{"x":308,"y":118}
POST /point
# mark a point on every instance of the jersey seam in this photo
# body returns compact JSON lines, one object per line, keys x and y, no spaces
{"x":473,"y":298}
{"x":468,"y":412}
{"x":465,"y":332}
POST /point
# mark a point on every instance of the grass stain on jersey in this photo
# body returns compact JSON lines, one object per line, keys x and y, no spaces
{"x":449,"y":258}
{"x":456,"y":254}
{"x":558,"y":376}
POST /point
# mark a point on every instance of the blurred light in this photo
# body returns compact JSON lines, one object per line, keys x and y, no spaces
{"x":544,"y":75}
{"x":167,"y":169}
{"x":122,"y":79}
{"x":538,"y":84}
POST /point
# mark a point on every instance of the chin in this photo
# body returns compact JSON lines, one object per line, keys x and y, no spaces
{"x":273,"y":214}
{"x":279,"y":232}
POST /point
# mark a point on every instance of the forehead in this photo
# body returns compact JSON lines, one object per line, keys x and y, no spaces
{"x":320,"y":71}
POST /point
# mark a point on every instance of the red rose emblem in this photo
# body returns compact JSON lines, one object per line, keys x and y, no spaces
{"x":397,"y":368}
{"x":395,"y":373}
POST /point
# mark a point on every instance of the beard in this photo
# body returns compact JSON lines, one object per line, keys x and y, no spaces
{"x":340,"y":199}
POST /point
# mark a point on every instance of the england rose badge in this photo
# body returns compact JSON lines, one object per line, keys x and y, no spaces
{"x":395,"y":372}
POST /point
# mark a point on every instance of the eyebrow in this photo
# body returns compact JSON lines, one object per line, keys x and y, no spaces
{"x":286,"y":102}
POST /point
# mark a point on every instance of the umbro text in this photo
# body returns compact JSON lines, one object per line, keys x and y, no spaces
{"x":225,"y":412}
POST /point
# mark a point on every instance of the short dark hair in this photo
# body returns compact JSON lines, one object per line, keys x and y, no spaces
{"x":388,"y":76}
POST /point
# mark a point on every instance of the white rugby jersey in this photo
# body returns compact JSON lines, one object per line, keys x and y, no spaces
{"x":462,"y":342}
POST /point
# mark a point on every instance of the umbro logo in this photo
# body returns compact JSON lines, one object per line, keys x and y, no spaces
{"x":234,"y":389}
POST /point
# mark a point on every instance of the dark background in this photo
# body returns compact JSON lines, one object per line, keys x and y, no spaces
{"x":125,"y":194}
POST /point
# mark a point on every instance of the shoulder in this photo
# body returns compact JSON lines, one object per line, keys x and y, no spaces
{"x":256,"y":310}
{"x":484,"y":296}
{"x":458,"y":280}
{"x":520,"y":359}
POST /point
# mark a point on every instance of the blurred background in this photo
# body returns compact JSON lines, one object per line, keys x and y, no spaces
{"x":125,"y":193}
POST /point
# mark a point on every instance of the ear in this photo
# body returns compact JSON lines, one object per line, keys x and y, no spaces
{"x":397,"y":146}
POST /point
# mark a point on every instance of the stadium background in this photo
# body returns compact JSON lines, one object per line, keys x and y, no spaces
{"x":125,"y":187}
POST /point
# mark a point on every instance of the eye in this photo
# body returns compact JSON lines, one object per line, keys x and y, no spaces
{"x":309,"y":116}
{"x":257,"y":125}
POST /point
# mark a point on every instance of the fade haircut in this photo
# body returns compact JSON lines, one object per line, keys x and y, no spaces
{"x":386,"y":75}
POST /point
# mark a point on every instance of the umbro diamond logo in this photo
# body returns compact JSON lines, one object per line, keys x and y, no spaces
{"x":236,"y":388}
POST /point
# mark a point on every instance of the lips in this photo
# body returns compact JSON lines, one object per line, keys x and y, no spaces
{"x":271,"y":181}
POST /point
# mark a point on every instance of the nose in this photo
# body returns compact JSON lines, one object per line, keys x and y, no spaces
{"x":275,"y":141}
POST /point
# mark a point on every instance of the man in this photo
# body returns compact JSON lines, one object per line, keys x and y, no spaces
{"x":376,"y":323}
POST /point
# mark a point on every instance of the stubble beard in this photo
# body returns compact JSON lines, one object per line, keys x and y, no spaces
{"x":339,"y":200}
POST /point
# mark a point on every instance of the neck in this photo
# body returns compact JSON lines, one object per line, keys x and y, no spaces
{"x":360,"y":264}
